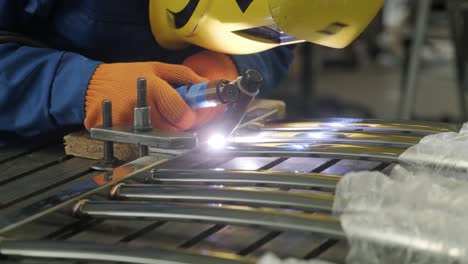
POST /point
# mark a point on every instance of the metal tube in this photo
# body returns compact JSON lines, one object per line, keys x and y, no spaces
{"x":114,"y":253}
{"x":360,"y":125}
{"x":75,"y":192}
{"x":383,"y":154}
{"x":356,"y":138}
{"x":231,"y":195}
{"x":268,"y":178}
{"x":409,"y":89}
{"x":216,"y":213}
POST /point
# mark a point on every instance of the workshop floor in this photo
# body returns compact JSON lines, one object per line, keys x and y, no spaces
{"x":377,"y":88}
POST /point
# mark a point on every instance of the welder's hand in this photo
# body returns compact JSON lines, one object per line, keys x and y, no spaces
{"x":117,"y":82}
{"x":213,"y":66}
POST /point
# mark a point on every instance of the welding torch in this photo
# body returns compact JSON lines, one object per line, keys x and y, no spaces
{"x":237,"y":95}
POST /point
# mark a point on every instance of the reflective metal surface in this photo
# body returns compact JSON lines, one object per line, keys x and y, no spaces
{"x":387,"y":154}
{"x":214,"y":213}
{"x":74,"y":193}
{"x":117,"y":253}
{"x":350,"y":124}
{"x":357,"y":138}
{"x":231,"y":195}
{"x":154,"y":138}
{"x":267,"y":178}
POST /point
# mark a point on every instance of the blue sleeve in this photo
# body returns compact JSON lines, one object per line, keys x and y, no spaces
{"x":273,"y":64}
{"x":41,"y":90}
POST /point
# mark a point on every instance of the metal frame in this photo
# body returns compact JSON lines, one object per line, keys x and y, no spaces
{"x":385,"y":154}
{"x":359,"y":125}
{"x":374,"y":139}
{"x":225,"y":195}
{"x":216,"y":213}
{"x":73,"y":194}
{"x":117,"y":253}
{"x":265,"y":178}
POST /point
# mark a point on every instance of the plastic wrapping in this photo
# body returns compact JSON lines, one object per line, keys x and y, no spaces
{"x":445,"y":153}
{"x":417,"y":215}
{"x":270,"y":258}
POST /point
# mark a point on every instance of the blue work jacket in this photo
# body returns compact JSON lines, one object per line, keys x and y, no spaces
{"x":43,"y":89}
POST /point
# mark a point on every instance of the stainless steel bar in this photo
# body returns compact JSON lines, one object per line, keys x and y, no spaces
{"x":268,"y":178}
{"x":232,"y":195}
{"x":214,"y":213}
{"x":154,"y":138}
{"x":356,"y":138}
{"x":377,"y":153}
{"x":116,"y":253}
{"x":348,"y":125}
{"x":74,"y":193}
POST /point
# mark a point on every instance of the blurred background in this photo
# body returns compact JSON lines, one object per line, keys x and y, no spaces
{"x":409,"y":64}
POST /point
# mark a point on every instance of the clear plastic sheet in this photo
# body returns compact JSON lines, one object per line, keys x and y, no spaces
{"x":419,"y":214}
{"x":445,"y":153}
{"x":270,"y":258}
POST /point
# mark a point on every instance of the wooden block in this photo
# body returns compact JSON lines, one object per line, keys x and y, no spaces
{"x":79,"y":144}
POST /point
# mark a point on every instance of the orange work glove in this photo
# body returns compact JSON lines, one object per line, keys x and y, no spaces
{"x":117,"y":82}
{"x":213,"y":66}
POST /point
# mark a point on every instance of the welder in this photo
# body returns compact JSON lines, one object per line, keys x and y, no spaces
{"x":60,"y":59}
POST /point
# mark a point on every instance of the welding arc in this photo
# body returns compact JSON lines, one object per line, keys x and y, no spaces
{"x":231,"y":195}
{"x":264,"y":178}
{"x":114,"y":253}
{"x":218,"y":214}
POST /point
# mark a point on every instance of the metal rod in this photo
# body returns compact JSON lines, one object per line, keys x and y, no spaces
{"x":410,"y":85}
{"x":109,"y":162}
{"x":361,"y":125}
{"x":231,"y":195}
{"x":70,"y":195}
{"x":143,"y":150}
{"x":459,"y":34}
{"x":142,"y":113}
{"x":268,"y":178}
{"x":325,"y":137}
{"x":384,"y":154}
{"x":114,"y":253}
{"x":216,"y":213}
{"x":141,"y":93}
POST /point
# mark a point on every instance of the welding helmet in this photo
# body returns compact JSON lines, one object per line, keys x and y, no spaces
{"x":249,"y":26}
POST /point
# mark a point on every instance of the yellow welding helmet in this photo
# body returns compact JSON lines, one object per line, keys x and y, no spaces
{"x":249,"y":26}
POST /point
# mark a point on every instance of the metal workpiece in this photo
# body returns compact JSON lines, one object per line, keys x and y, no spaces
{"x":142,"y":113}
{"x":115,"y":253}
{"x":360,"y":125}
{"x":342,"y":151}
{"x":231,"y":195}
{"x":264,"y":178}
{"x":153,"y":138}
{"x":215,"y":213}
{"x":74,"y":193}
{"x":109,"y":162}
{"x":357,"y":138}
